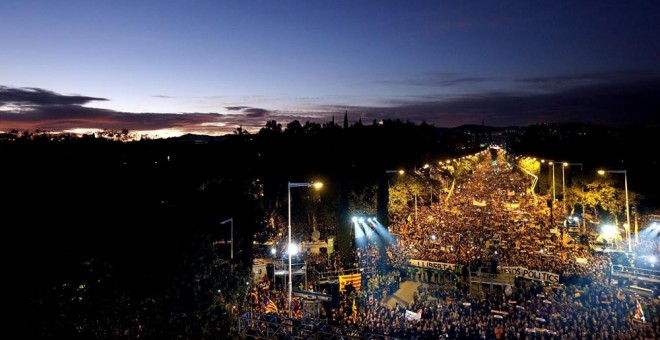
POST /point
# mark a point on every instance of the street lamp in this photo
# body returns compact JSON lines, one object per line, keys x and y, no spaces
{"x":316,"y":185}
{"x":563,"y":183}
{"x":625,"y":181}
{"x":231,"y":220}
{"x":552,"y":163}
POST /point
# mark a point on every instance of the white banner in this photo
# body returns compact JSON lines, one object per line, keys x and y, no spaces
{"x":531,"y":274}
{"x":431,"y":264}
{"x":410,"y":315}
{"x":517,"y":271}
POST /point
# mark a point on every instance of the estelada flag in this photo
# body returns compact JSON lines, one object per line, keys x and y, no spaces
{"x":354,"y":279}
{"x":270,"y":306}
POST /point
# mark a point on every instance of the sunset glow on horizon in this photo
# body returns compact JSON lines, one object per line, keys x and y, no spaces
{"x":209,"y":67}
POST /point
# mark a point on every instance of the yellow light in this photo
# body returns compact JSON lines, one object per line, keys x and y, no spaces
{"x":401,"y":172}
{"x":318,"y":185}
{"x":426,"y":166}
{"x":601,"y":172}
{"x":543,"y":161}
{"x":551,"y":163}
{"x":565,"y":164}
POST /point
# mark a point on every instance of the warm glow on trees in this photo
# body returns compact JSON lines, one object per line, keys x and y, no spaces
{"x":530,"y":164}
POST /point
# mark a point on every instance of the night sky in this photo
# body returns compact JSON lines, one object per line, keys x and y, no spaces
{"x":172,"y":67}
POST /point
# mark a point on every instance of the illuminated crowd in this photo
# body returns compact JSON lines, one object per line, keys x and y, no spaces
{"x":511,"y":227}
{"x":488,"y":218}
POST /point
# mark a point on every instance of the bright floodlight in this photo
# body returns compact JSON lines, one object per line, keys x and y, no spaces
{"x":354,"y":219}
{"x":401,"y":172}
{"x":426,"y":166}
{"x":361,"y":219}
{"x":273,"y":251}
{"x":652,"y":259}
{"x":433,"y":237}
{"x":293,"y":248}
{"x":608,"y":231}
{"x":318,"y":185}
{"x":601,"y":172}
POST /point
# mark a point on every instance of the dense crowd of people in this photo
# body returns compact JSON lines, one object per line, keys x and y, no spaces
{"x":529,"y":311}
{"x":489,"y":218}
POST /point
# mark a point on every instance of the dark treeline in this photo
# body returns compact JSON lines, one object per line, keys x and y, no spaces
{"x":109,"y":239}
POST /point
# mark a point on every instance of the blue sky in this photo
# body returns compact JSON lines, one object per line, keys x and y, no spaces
{"x":209,"y":66}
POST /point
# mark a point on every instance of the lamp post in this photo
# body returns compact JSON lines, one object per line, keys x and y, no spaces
{"x":563,"y":183}
{"x":552,"y":203}
{"x":625,"y":181}
{"x":552,"y":163}
{"x":316,"y":185}
{"x":554,"y":197}
{"x":231,"y":221}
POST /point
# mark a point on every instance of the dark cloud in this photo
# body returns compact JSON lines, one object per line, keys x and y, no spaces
{"x":37,"y":96}
{"x":236,"y":108}
{"x":614,"y":103}
{"x":31,"y":109}
{"x":66,"y":117}
{"x":253,"y":112}
{"x":162,"y":96}
{"x":462,"y":80}
{"x":256,"y":112}
{"x":629,"y":75}
{"x":437,"y":79}
{"x":62,"y":118}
